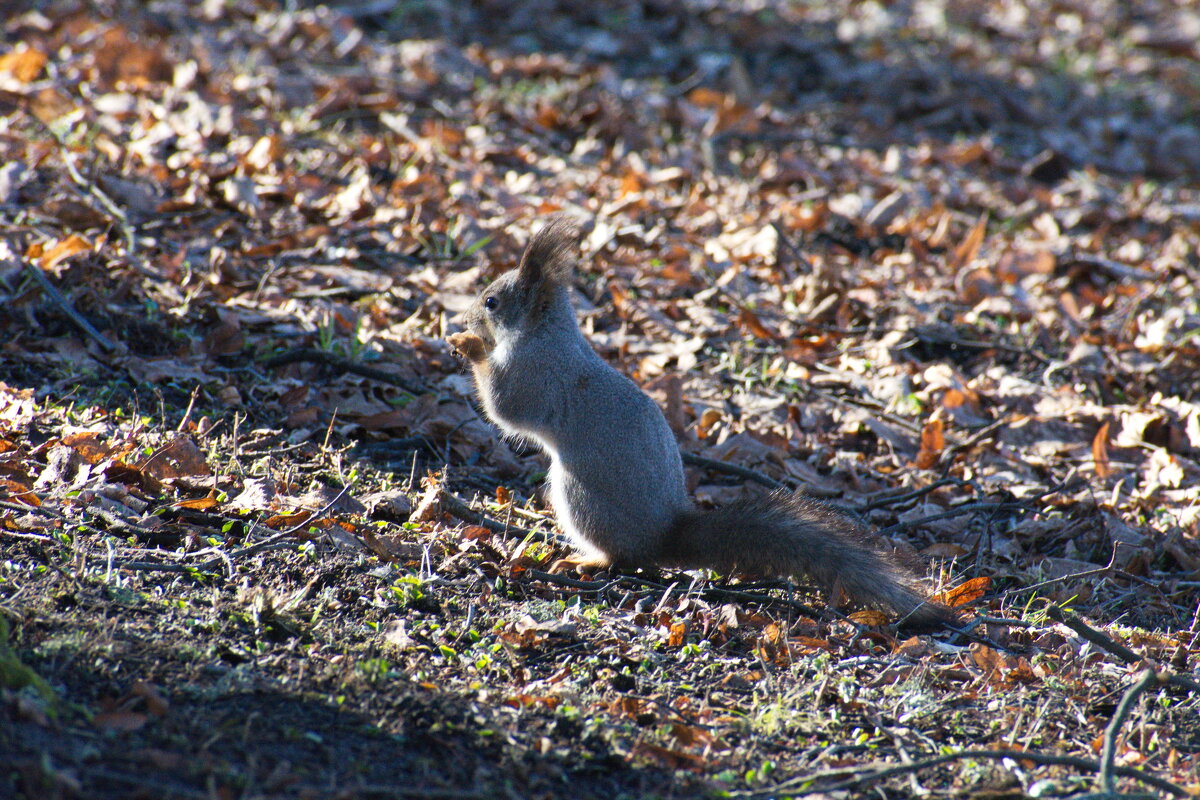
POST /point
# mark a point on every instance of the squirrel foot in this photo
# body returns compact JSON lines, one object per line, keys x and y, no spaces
{"x":579,"y":564}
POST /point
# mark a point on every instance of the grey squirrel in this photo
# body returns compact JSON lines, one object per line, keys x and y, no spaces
{"x":616,"y":477}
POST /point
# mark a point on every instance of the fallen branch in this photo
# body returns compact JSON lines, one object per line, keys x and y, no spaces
{"x":810,"y":783}
{"x":1108,"y":754}
{"x":78,"y":319}
{"x":1090,"y":634}
{"x":732,"y":469}
{"x":966,"y":508}
{"x":896,"y":499}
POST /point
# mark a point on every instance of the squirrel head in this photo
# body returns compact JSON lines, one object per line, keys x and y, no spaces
{"x":516,"y":302}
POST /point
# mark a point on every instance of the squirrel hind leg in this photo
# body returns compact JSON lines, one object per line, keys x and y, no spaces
{"x":581,"y":563}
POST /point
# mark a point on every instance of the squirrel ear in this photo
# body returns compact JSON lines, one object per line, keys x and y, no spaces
{"x":549,"y":258}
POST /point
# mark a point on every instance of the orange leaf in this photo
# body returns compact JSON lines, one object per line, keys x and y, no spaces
{"x":200,"y":503}
{"x":750,"y":321}
{"x":473,"y":532}
{"x":678,"y":634}
{"x":933,"y":441}
{"x":19,"y":492}
{"x":672,"y":759}
{"x":62,"y":250}
{"x":88,"y":446}
{"x":964,"y":593}
{"x":1100,"y":452}
{"x":870,"y":617}
{"x":24,"y":63}
{"x":969,"y":247}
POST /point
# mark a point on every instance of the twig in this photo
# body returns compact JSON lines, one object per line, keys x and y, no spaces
{"x":314,"y":356}
{"x":591,"y":587}
{"x":810,"y":783}
{"x":45,"y":512}
{"x":966,"y":508}
{"x":457,"y":507}
{"x":119,"y":217}
{"x":732,"y":469}
{"x":896,"y":499}
{"x":1059,"y":614}
{"x":708,"y":592}
{"x":1108,"y":754}
{"x":275,"y":538}
{"x":1114,"y":268}
{"x":1109,"y":568}
{"x":80,"y":321}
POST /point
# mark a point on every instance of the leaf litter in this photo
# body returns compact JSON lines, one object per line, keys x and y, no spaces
{"x":935,"y":263}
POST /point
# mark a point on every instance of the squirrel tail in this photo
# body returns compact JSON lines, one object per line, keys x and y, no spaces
{"x":782,"y":534}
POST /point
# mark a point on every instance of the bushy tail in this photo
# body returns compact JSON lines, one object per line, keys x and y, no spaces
{"x":784,"y":535}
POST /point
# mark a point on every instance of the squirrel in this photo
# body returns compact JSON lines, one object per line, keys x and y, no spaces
{"x":616,"y":476}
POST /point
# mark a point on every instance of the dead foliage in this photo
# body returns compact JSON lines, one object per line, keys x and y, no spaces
{"x":935,"y":262}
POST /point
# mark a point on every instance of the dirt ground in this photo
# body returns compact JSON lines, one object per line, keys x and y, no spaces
{"x":932,"y":262}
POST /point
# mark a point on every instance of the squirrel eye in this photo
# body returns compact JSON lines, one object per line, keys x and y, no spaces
{"x":490,"y":303}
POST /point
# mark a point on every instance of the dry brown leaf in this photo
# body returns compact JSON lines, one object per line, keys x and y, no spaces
{"x":120,"y":720}
{"x":14,"y":490}
{"x":672,"y":759}
{"x":179,"y":459}
{"x":871,"y":617}
{"x":933,"y":441}
{"x":210,"y":500}
{"x":968,"y":249}
{"x":749,"y":321}
{"x":25,"y":63}
{"x":945,"y":550}
{"x":965,"y":593}
{"x":88,"y":446}
{"x":50,"y":256}
{"x":1100,"y":452}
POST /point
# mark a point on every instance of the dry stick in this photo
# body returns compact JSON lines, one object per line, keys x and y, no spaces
{"x":1059,"y":614}
{"x":120,"y":218}
{"x":915,"y":766}
{"x":710,"y":592}
{"x":80,"y":322}
{"x":1119,"y":650}
{"x":45,"y":512}
{"x":896,"y":499}
{"x":270,"y":540}
{"x":314,"y":356}
{"x":457,"y":507}
{"x":1098,"y":571}
{"x":1109,"y":568}
{"x":1109,"y":753}
{"x":966,"y":508}
{"x":732,"y":469}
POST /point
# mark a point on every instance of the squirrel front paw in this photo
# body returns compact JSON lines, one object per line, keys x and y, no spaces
{"x":469,"y":346}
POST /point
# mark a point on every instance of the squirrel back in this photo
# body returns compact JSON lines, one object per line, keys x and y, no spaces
{"x":616,"y":477}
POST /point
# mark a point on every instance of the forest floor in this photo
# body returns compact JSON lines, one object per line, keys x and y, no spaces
{"x":934,"y":262}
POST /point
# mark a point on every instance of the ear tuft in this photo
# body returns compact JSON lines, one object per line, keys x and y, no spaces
{"x":550,"y":256}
